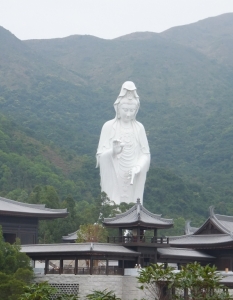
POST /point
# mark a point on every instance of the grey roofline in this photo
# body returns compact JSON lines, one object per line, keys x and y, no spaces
{"x":201,"y":241}
{"x":188,"y":250}
{"x":91,"y":247}
{"x":138,"y":207}
{"x":174,"y":238}
{"x":43,"y":212}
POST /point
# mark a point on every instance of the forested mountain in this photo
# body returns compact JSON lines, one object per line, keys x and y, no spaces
{"x":56,"y":94}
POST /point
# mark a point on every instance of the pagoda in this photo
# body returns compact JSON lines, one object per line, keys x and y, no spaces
{"x":134,"y":227}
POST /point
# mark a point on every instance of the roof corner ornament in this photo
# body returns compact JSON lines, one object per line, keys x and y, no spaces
{"x":187,"y":227}
{"x":211,"y":211}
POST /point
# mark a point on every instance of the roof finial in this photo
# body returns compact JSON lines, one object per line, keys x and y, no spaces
{"x":91,"y":246}
{"x":211,"y":210}
{"x":187,"y":227}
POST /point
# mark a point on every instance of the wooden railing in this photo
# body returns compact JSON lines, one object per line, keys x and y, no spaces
{"x":136,"y":239}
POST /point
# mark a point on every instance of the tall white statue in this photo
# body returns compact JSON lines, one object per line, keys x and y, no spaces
{"x":123,"y":154}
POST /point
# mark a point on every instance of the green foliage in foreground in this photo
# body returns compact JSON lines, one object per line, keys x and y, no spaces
{"x":199,"y":282}
{"x":43,"y":291}
{"x":102,"y":295}
{"x":15,"y":270}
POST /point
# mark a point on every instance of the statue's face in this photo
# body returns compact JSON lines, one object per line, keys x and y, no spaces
{"x":127,"y":111}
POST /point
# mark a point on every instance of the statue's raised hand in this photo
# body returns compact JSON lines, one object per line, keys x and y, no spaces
{"x":117,"y":147}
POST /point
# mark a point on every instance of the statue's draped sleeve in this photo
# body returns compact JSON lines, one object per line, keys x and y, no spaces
{"x":105,"y":161}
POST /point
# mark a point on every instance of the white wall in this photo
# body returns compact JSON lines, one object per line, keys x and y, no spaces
{"x":125,"y":287}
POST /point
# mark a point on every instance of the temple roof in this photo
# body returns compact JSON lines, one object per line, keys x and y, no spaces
{"x":217,"y":231}
{"x":76,"y":248}
{"x":138,"y":216}
{"x":201,"y":241}
{"x":224,"y":224}
{"x":14,"y":208}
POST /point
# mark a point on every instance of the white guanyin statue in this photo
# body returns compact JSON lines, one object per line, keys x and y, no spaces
{"x":123,"y":154}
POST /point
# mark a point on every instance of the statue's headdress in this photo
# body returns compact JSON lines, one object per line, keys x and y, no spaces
{"x":128,"y":89}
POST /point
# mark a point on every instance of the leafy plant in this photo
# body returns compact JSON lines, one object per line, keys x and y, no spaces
{"x":155,"y":279}
{"x":102,"y":295}
{"x":195,"y":281}
{"x":44,"y":291}
{"x":201,"y":282}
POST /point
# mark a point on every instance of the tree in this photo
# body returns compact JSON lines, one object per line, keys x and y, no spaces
{"x":15,"y":270}
{"x":105,"y":207}
{"x":91,"y":233}
{"x":201,"y":282}
{"x":155,"y":280}
{"x":193,"y":282}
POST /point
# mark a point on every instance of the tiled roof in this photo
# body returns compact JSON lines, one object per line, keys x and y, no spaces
{"x":139,"y":214}
{"x":76,"y":247}
{"x":225,"y":221}
{"x":14,"y":208}
{"x":183,"y":252}
{"x":202,"y":240}
{"x":222,"y":223}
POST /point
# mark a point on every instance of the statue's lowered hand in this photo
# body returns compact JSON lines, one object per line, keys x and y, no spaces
{"x":117,"y":147}
{"x":133,"y":172}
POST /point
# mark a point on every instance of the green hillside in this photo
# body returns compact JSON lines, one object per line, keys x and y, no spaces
{"x":56,"y":94}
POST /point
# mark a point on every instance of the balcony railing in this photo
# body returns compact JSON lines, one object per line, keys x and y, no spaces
{"x":101,"y":270}
{"x":137,"y":239}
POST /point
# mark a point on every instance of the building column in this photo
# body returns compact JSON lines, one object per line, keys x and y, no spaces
{"x":107,"y":263}
{"x":91,"y":265}
{"x":76,"y":266}
{"x":123,"y":266}
{"x":61,"y":267}
{"x":46,"y":266}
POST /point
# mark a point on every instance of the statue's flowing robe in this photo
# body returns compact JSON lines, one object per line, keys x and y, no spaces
{"x":116,"y":186}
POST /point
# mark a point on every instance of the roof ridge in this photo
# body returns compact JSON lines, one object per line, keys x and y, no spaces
{"x":197,"y":236}
{"x":224,"y":216}
{"x":219,"y":224}
{"x":121,"y":215}
{"x":22,"y":203}
{"x":38,"y":206}
{"x":159,"y":217}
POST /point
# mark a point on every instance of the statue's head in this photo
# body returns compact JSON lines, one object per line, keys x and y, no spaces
{"x":128,"y":97}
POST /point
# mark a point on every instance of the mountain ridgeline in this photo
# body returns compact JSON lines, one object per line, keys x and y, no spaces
{"x":56,"y":94}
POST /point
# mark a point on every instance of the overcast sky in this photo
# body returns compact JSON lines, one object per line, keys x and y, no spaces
{"x":37,"y":19}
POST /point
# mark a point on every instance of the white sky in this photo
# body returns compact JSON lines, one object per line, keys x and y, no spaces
{"x":37,"y":19}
